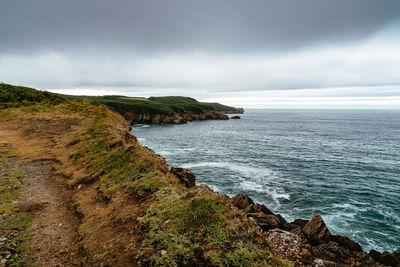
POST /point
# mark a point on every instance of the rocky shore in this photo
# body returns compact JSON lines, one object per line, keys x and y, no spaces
{"x":174,"y":117}
{"x":304,"y":242}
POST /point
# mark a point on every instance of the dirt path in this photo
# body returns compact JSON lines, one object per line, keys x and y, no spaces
{"x":54,"y":240}
{"x":54,"y":226}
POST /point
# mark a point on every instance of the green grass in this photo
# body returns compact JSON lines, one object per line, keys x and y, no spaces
{"x":152,"y":105}
{"x":199,"y":230}
{"x":16,"y":96}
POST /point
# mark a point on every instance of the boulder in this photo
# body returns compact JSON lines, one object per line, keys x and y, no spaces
{"x":317,"y":231}
{"x":235,"y":117}
{"x":185,"y":176}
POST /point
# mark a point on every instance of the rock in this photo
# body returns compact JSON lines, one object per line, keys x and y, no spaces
{"x":258,"y":208}
{"x":397,"y":254}
{"x":346,"y":243}
{"x":266,"y":222}
{"x":242,"y":202}
{"x":185,"y":176}
{"x":375,"y":255}
{"x":318,"y":263}
{"x":300,"y":222}
{"x":285,"y":244}
{"x":316,"y":230}
{"x":235,"y":117}
{"x":388,"y":259}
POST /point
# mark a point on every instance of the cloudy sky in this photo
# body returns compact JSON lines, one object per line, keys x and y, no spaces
{"x":255,"y":53}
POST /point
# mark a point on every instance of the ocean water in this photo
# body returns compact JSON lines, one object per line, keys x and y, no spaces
{"x":342,"y":164}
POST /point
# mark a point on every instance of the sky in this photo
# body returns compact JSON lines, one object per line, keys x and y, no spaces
{"x":251,"y":54}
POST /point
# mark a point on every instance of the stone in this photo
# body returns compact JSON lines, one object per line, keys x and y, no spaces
{"x":317,"y":231}
{"x":235,"y":118}
{"x":300,"y":222}
{"x":242,"y":202}
{"x":285,"y":244}
{"x":346,"y":243}
{"x":375,"y":255}
{"x":185,"y":176}
{"x":318,"y":263}
{"x":266,"y":222}
{"x":388,"y":259}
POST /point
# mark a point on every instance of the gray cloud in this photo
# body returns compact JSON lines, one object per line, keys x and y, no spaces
{"x":252,"y":52}
{"x":179,"y":25}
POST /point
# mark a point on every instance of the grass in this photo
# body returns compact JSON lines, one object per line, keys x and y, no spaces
{"x":152,"y":105}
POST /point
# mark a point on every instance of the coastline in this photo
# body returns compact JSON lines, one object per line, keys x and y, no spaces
{"x":130,"y":207}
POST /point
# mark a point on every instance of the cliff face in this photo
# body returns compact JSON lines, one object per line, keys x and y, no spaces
{"x":174,"y":117}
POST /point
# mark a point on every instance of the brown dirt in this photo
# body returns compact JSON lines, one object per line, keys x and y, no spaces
{"x":54,"y":225}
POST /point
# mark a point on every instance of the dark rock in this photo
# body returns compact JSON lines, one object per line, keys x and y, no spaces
{"x":317,"y":231}
{"x":259,"y":208}
{"x":397,"y":254}
{"x":242,"y":202}
{"x":331,"y":251}
{"x":185,"y":176}
{"x":235,"y":117}
{"x":346,"y":243}
{"x":266,"y":222}
{"x":388,"y":259}
{"x":300,"y":222}
{"x":375,"y":255}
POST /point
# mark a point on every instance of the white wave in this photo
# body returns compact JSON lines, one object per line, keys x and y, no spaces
{"x":243,"y":170}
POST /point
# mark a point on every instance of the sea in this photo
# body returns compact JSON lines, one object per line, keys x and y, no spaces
{"x":342,"y":164}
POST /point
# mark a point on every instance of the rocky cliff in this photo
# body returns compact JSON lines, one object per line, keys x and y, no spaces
{"x":173,"y":117}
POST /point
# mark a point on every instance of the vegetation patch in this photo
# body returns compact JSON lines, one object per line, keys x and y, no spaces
{"x":200,"y":229}
{"x":14,"y":236}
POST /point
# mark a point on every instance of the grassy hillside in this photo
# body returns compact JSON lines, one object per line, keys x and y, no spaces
{"x":131,"y":209}
{"x":218,"y":106}
{"x":14,"y":96}
{"x":17,"y":95}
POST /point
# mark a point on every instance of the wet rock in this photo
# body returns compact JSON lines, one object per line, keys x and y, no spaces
{"x":317,"y":231}
{"x":185,"y":176}
{"x":389,"y":259}
{"x":235,"y":117}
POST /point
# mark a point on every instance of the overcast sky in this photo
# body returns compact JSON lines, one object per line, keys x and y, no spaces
{"x":254,"y":53}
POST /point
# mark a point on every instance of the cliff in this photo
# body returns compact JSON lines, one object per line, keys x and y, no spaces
{"x":77,"y":182}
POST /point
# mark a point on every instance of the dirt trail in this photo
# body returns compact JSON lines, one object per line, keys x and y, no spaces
{"x":54,"y":240}
{"x":54,"y":225}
